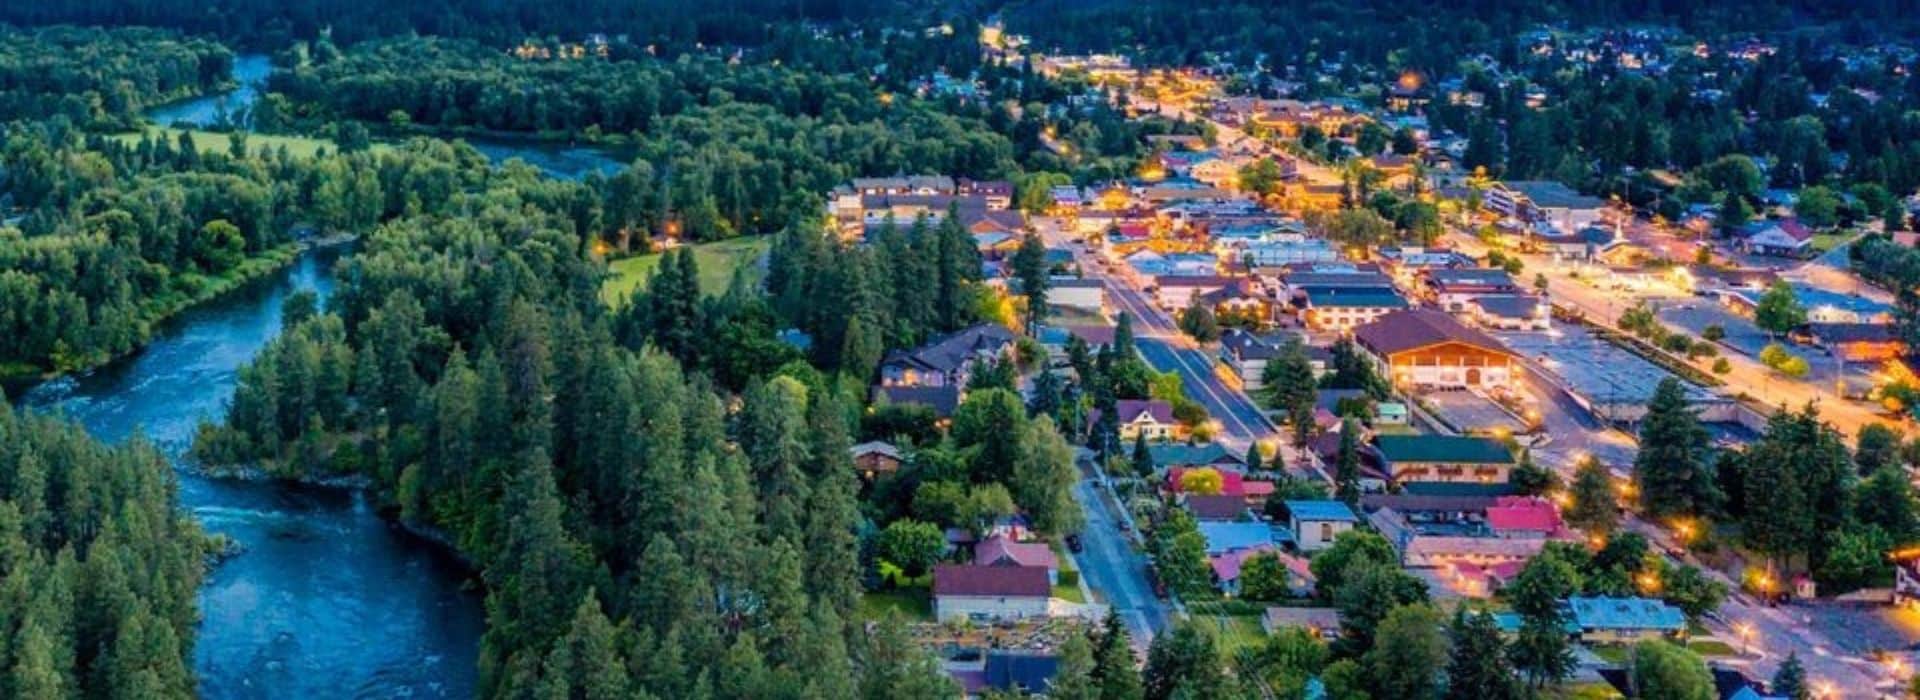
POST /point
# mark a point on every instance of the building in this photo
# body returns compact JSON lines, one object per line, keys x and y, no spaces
{"x":1526,"y":517}
{"x":947,"y":361}
{"x":1224,"y":537}
{"x":1454,"y":290}
{"x":1544,"y":203}
{"x":1247,"y":355}
{"x":1853,"y":342}
{"x":1415,"y":460}
{"x":1786,"y":238}
{"x":876,"y":459}
{"x":1510,"y":312}
{"x":1078,"y":293}
{"x":1017,"y":671}
{"x":1177,"y":292}
{"x":1002,"y":550}
{"x":1344,"y":309}
{"x":1151,"y":418}
{"x":1226,"y":567}
{"x":1427,"y":348}
{"x":1222,"y":506}
{"x":1316,"y":523}
{"x":1177,"y":455}
{"x":973,"y":592}
{"x":1624,"y":620}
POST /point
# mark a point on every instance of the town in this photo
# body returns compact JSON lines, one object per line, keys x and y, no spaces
{"x":1505,"y":392}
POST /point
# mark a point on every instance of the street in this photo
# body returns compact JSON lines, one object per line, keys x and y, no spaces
{"x":1114,"y":569}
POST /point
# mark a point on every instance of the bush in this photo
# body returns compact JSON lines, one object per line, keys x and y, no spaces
{"x":1714,"y":332}
{"x":1069,"y":577}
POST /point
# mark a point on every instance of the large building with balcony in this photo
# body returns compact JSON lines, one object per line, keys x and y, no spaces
{"x":1428,"y":348}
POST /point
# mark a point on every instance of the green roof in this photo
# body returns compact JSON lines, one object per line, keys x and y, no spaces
{"x":1456,"y":488}
{"x":1443,"y":448}
{"x":1182,"y":455}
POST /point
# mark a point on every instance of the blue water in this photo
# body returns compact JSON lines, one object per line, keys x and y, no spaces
{"x":328,"y":600}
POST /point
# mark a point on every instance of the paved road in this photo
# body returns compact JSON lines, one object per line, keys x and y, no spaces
{"x":1112,"y":568}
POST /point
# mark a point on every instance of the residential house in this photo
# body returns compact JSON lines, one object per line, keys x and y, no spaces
{"x":1020,"y":672}
{"x":876,"y":459}
{"x":1224,"y":537}
{"x":997,"y":193}
{"x":1138,"y":417}
{"x":1079,"y":293}
{"x":1427,"y":348}
{"x":947,"y":361}
{"x":1003,"y":550}
{"x":1781,"y":238}
{"x":1247,"y":355}
{"x":1177,"y":292}
{"x":1822,"y":306}
{"x":1588,"y":243}
{"x":1526,"y":517}
{"x":1180,"y":455}
{"x":1315,"y":524}
{"x":1224,"y":507}
{"x":1625,"y":620}
{"x":1227,"y":565}
{"x":1417,"y":461}
{"x":974,"y":592}
{"x":1240,"y":298}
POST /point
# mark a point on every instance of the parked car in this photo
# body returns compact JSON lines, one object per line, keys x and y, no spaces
{"x":1073,"y":542}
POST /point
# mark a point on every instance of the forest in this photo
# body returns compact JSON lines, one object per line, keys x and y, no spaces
{"x":103,"y":78}
{"x":99,"y":570}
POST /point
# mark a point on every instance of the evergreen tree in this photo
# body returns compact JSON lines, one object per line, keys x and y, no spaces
{"x":1346,"y":467}
{"x":1253,"y":458}
{"x":1790,"y":681}
{"x":1477,"y":668}
{"x":1593,"y":507}
{"x":1185,"y":663}
{"x":1113,"y":668}
{"x":1030,"y":268}
{"x":1074,"y":678}
{"x":1670,"y":469}
{"x":1408,"y":654}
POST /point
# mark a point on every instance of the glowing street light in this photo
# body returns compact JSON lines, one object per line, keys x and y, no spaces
{"x":1824,"y":690}
{"x":1745,"y":630}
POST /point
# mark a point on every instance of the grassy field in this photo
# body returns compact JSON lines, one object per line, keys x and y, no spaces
{"x":216,"y":142}
{"x":911,"y":604}
{"x":716,"y":260}
{"x":1236,"y":632}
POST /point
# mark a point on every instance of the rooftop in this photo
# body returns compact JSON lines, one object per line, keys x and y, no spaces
{"x":1602,"y":613}
{"x":1411,"y":329}
{"x":997,"y":581}
{"x":1321,"y":511}
{"x":1225,"y":537}
{"x":1457,"y":449}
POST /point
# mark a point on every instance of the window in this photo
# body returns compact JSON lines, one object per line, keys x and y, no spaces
{"x":1326,"y":531}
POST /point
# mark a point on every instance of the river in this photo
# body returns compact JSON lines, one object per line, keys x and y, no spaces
{"x":328,"y":600}
{"x":250,"y":73}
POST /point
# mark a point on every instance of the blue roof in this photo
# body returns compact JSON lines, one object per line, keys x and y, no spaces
{"x":1603,"y":613}
{"x":1023,"y":671}
{"x":1223,"y":537}
{"x":1321,"y":510}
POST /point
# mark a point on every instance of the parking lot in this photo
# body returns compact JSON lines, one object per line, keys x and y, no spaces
{"x":1471,"y":412}
{"x":1615,"y":384}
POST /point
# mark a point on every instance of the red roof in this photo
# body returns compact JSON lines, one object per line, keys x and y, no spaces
{"x":1227,"y":566}
{"x":1530,"y":514}
{"x":1001,"y":550}
{"x":997,"y":581}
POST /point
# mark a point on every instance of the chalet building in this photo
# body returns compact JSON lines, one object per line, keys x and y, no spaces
{"x":876,"y":459}
{"x":947,"y":361}
{"x":1415,"y":461}
{"x":1427,"y":348}
{"x":977,"y":592}
{"x":1150,"y":418}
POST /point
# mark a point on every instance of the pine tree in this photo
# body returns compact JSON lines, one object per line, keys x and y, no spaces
{"x":1185,"y":663}
{"x":1408,"y":654}
{"x":1790,"y":681}
{"x":588,"y":657}
{"x":1593,"y":507}
{"x":1143,"y":465}
{"x":1113,"y":666}
{"x":1477,"y":668}
{"x":1030,"y":268}
{"x":1347,"y":464}
{"x":832,"y":552}
{"x":1671,"y":469}
{"x":1074,"y":678}
{"x":1253,"y":457}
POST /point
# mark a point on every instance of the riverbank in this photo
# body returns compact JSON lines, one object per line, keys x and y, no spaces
{"x":18,"y":377}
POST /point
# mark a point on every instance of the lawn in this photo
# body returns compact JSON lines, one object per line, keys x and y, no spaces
{"x":1583,"y":691}
{"x":716,"y":261}
{"x":911,"y":604}
{"x":1612,"y":653}
{"x":216,"y":142}
{"x":1824,"y":242}
{"x":1711,"y":647}
{"x":1237,"y":632}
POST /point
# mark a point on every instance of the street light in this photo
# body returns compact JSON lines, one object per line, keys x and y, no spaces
{"x":1745,"y":630}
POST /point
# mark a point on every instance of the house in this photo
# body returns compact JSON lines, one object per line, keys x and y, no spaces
{"x":1003,"y":550}
{"x":997,"y":193}
{"x":1624,"y":620}
{"x":1415,"y":460}
{"x":1179,"y":455}
{"x":1217,"y":506}
{"x":1853,"y":342}
{"x":947,"y":361}
{"x":974,"y":592}
{"x":1177,"y":292}
{"x":1316,"y":523}
{"x":1444,"y":537}
{"x":1427,"y":348}
{"x":1782,"y":238}
{"x":1226,"y":566}
{"x":1589,"y":243}
{"x":1279,"y":253}
{"x":1241,"y":298}
{"x":1346,"y":308}
{"x":1510,"y":312}
{"x":1822,"y":306}
{"x":875,"y":459}
{"x":1151,"y":418}
{"x":1079,"y":293}
{"x":1017,"y":671}
{"x":1247,"y":355}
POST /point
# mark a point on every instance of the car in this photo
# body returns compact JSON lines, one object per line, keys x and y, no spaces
{"x":1073,"y":543}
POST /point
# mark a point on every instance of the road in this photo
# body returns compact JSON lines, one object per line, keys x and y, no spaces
{"x":1114,"y":569}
